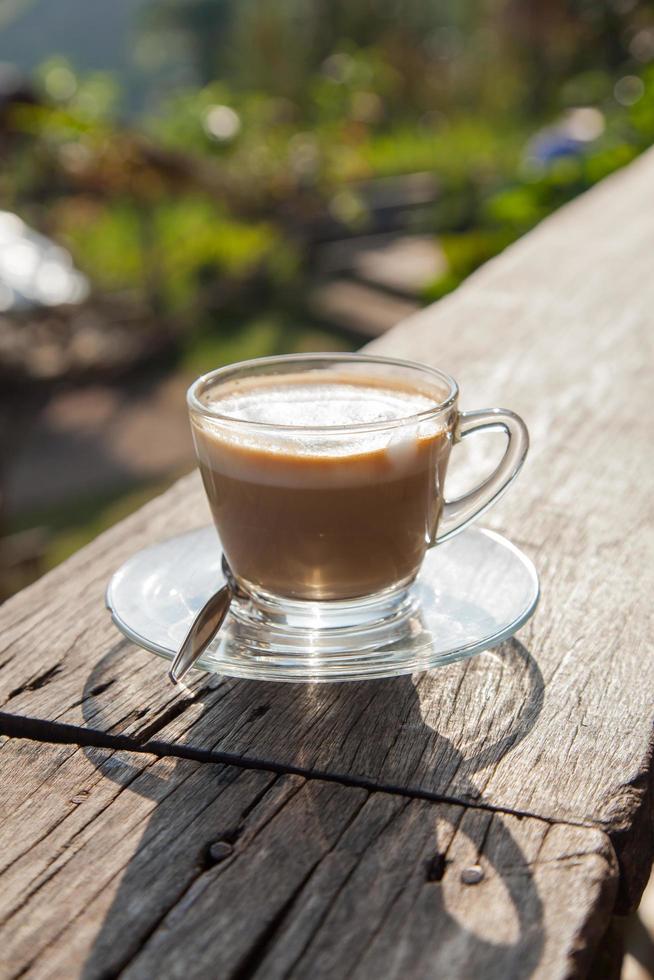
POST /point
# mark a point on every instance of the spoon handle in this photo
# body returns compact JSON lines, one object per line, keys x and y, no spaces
{"x":205,"y":626}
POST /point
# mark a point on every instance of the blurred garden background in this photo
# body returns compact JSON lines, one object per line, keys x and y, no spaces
{"x":185,"y":183}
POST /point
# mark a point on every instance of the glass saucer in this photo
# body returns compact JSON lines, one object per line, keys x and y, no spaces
{"x":472,"y":593}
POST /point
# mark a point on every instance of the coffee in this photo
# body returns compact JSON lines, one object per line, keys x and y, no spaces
{"x":323,"y":513}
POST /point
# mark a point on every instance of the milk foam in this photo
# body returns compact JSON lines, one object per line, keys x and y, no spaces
{"x":323,"y":404}
{"x":342,"y":458}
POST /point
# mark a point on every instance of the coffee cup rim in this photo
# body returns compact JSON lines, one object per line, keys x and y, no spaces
{"x":199,"y":408}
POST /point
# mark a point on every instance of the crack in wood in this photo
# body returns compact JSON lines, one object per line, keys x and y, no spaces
{"x":435,"y":868}
{"x":56,"y":867}
{"x":255,"y":956}
{"x":254,"y":802}
{"x":399,"y":890}
{"x":176,"y":709}
{"x":575,"y":759}
{"x":55,"y":864}
{"x":59,"y":733}
{"x":230,"y":836}
{"x":34,"y":624}
{"x":482,"y":842}
{"x":101,"y":688}
{"x":258,"y":712}
{"x":143,"y":954}
{"x":280,"y":919}
{"x":37,"y":682}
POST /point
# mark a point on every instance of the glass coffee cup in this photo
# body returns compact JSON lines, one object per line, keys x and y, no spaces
{"x":326,"y":475}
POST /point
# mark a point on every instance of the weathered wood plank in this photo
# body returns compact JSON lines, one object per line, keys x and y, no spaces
{"x":172,"y":868}
{"x":559,"y":328}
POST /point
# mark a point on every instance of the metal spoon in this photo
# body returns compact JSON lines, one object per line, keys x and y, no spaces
{"x":204,"y":627}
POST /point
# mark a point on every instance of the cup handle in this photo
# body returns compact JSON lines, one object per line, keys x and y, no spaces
{"x":461,"y":511}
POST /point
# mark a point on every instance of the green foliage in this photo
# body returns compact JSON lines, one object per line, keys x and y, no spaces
{"x":465,"y":252}
{"x":519,"y":207}
{"x":466,"y":147}
{"x":641,"y":113}
{"x":105,"y":241}
{"x":195,"y":243}
{"x":192,"y":223}
{"x":182,"y":124}
{"x":278,"y":331}
{"x":94,"y":96}
{"x":176,"y":245}
{"x":266,"y":118}
{"x":529,"y":195}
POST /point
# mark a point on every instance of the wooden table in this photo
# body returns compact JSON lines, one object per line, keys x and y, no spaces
{"x":486,"y":819}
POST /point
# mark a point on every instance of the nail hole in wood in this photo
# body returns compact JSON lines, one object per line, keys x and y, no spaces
{"x":435,"y":868}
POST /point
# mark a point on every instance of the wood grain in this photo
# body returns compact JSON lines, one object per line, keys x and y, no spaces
{"x":171,"y":868}
{"x":558,"y":327}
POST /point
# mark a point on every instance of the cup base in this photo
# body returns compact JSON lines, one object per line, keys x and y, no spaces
{"x":471,"y":593}
{"x":331,"y":627}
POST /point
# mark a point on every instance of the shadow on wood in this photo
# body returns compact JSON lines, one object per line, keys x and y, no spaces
{"x":425,"y":736}
{"x":182,"y":889}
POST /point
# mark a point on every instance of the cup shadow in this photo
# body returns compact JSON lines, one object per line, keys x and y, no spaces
{"x":389,"y":731}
